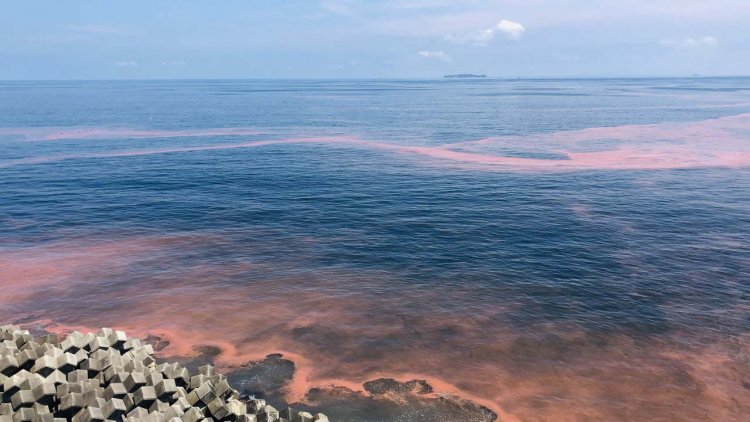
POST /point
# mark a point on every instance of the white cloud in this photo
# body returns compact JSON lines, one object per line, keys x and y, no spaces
{"x":483,"y":37}
{"x":126,"y":64}
{"x":514,"y":30}
{"x":707,"y":41}
{"x":437,"y":55}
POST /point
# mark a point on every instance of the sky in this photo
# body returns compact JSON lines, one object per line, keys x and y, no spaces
{"x":137,"y":39}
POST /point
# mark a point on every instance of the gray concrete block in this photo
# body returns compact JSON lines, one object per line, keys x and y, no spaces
{"x":181,"y":376}
{"x":114,"y":409}
{"x":154,"y":378}
{"x":134,"y":381}
{"x":9,"y":365}
{"x":104,"y":332}
{"x":289,"y":414}
{"x":193,"y":415}
{"x":12,"y":384}
{"x":268,"y":414}
{"x":89,"y":414}
{"x":236,"y":407}
{"x":22,"y":398}
{"x":90,"y":396}
{"x":246,"y":418}
{"x":44,"y":365}
{"x":201,"y":396}
{"x":78,"y":375}
{"x":174,"y":411}
{"x":133,"y":365}
{"x":148,"y":349}
{"x":6,"y":409}
{"x":182,"y":403}
{"x":110,"y":372}
{"x":73,"y":342}
{"x":26,"y":359}
{"x":45,"y":393}
{"x":303,"y":417}
{"x":22,"y":338}
{"x":142,"y":357}
{"x":8,"y":348}
{"x":165,"y":389}
{"x":117,"y":339}
{"x":224,"y":390}
{"x":43,"y":417}
{"x":255,"y":405}
{"x":144,"y":396}
{"x":218,"y":409}
{"x":81,"y":355}
{"x":128,"y":400}
{"x":49,"y":350}
{"x":97,"y":343}
{"x":162,"y":367}
{"x":137,"y":412}
{"x":155,"y":417}
{"x":49,"y":339}
{"x":181,"y":392}
{"x":217,"y":378}
{"x":198,"y":380}
{"x":130,"y":344}
{"x":115,"y":390}
{"x":56,"y":378}
{"x":158,"y":406}
{"x":24,"y":415}
{"x":98,"y":402}
{"x":67,"y":362}
{"x":65,"y":389}
{"x":31,"y":381}
{"x":320,"y":418}
{"x":94,"y":366}
{"x":104,"y":354}
{"x":70,"y":404}
{"x":207,"y":370}
{"x":119,"y":377}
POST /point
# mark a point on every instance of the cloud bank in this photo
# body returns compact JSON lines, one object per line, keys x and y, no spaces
{"x":483,"y":37}
{"x":437,"y":55}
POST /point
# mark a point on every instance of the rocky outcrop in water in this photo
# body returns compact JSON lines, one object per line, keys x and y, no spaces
{"x":108,"y":376}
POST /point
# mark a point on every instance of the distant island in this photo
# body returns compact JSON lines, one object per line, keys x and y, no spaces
{"x":465,"y":75}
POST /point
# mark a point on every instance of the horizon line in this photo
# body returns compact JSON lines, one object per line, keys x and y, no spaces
{"x":405,"y":78}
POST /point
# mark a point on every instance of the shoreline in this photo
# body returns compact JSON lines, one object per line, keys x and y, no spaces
{"x":283,"y":378}
{"x":109,"y":376}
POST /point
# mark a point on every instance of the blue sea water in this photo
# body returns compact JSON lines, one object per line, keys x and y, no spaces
{"x":323,"y":219}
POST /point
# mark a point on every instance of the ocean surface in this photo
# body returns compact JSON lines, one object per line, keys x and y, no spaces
{"x":552,"y":250}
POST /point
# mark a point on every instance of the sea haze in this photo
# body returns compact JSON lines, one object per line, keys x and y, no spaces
{"x":548,"y":249}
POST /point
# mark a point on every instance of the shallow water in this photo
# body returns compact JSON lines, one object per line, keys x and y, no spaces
{"x":550,"y":249}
